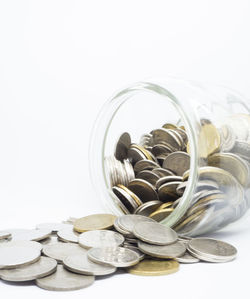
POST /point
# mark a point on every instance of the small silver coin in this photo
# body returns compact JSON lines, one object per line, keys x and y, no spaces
{"x":117,"y":257}
{"x":16,"y":256}
{"x":167,"y":179}
{"x":82,"y":265}
{"x":155,"y":233}
{"x":63,"y":280}
{"x":4,"y":235}
{"x":174,"y":250}
{"x":178,"y":162}
{"x":127,"y":222}
{"x":23,"y":243}
{"x":212,"y":250}
{"x":145,"y":165}
{"x":29,"y":234}
{"x":122,"y":146}
{"x":167,"y":191}
{"x":164,"y":136}
{"x":54,"y":227}
{"x":148,"y":208}
{"x":148,"y":176}
{"x":187,"y":258}
{"x":100,"y":238}
{"x":68,"y":235}
{"x":163,"y":172}
{"x":143,"y":189}
{"x":59,"y":251}
{"x":43,"y":267}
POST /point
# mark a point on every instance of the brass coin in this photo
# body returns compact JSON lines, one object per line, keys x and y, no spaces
{"x":169,"y":126}
{"x":143,"y":150}
{"x":150,"y":267}
{"x":165,"y":205}
{"x":125,"y":199}
{"x":167,"y":191}
{"x":93,"y":222}
{"x":209,"y":140}
{"x":160,"y":215}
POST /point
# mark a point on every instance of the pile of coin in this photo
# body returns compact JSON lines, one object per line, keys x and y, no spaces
{"x":150,"y":178}
{"x":67,"y":256}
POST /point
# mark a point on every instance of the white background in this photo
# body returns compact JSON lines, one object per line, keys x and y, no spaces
{"x":59,"y":62}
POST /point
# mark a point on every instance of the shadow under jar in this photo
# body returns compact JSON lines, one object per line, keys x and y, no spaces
{"x":175,"y":150}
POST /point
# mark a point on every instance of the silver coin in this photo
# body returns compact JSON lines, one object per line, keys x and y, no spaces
{"x":163,"y":172}
{"x":100,"y":238}
{"x":178,"y":162}
{"x":135,"y":155}
{"x":127,"y":222}
{"x":187,"y":259}
{"x":118,"y":202}
{"x":126,"y":199}
{"x":166,"y":137}
{"x":59,"y":251}
{"x":143,"y":189}
{"x":4,"y":235}
{"x":68,"y":235}
{"x":167,"y":191}
{"x":15,"y":256}
{"x":43,"y":267}
{"x":122,"y":231}
{"x":50,"y":240}
{"x":145,"y":165}
{"x":82,"y":265}
{"x":135,"y":249}
{"x":155,"y":233}
{"x":53,"y":227}
{"x":163,"y":251}
{"x":228,"y":138}
{"x":115,"y":256}
{"x":148,"y":207}
{"x":63,"y":280}
{"x":241,"y":148}
{"x":23,"y":243}
{"x":212,"y":250}
{"x":167,"y":179}
{"x":161,"y":149}
{"x":29,"y":234}
{"x":201,"y":185}
{"x":122,"y":147}
{"x":131,"y":240}
{"x":148,"y":176}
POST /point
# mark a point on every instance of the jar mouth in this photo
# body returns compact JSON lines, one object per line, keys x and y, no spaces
{"x":100,"y":133}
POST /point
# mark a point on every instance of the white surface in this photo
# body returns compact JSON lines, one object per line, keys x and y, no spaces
{"x":59,"y":62}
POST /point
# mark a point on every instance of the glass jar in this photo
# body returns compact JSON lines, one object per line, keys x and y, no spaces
{"x":214,"y":190}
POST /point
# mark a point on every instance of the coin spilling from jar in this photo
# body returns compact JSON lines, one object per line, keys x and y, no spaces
{"x":153,"y":177}
{"x":67,"y":256}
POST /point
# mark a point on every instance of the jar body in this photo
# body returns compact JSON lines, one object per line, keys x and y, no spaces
{"x":216,"y":121}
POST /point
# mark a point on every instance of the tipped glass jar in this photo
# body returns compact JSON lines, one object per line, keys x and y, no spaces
{"x":177,"y":151}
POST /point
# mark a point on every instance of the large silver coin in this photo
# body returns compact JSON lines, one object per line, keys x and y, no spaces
{"x":68,"y":235}
{"x":4,"y":235}
{"x":178,"y":162}
{"x":82,"y":265}
{"x":122,"y":231}
{"x":29,"y":234}
{"x":100,"y":238}
{"x":148,"y":176}
{"x":148,"y":207}
{"x":63,"y":280}
{"x":59,"y":251}
{"x":187,"y":258}
{"x":15,"y":256}
{"x":43,"y":267}
{"x":23,"y":243}
{"x":127,"y":222}
{"x":122,"y":146}
{"x":164,"y":251}
{"x":143,"y":189}
{"x":117,"y":257}
{"x":155,"y":233}
{"x":212,"y":250}
{"x":54,"y":227}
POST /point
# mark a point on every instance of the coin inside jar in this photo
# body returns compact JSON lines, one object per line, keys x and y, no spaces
{"x":143,"y":189}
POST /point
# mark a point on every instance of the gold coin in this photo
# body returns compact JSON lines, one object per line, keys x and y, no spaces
{"x":132,"y":194}
{"x":160,"y":215}
{"x":94,"y":222}
{"x":150,"y":267}
{"x":209,"y":140}
{"x":169,"y":126}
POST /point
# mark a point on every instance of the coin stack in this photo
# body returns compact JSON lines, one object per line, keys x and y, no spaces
{"x":150,"y":178}
{"x":67,"y":256}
